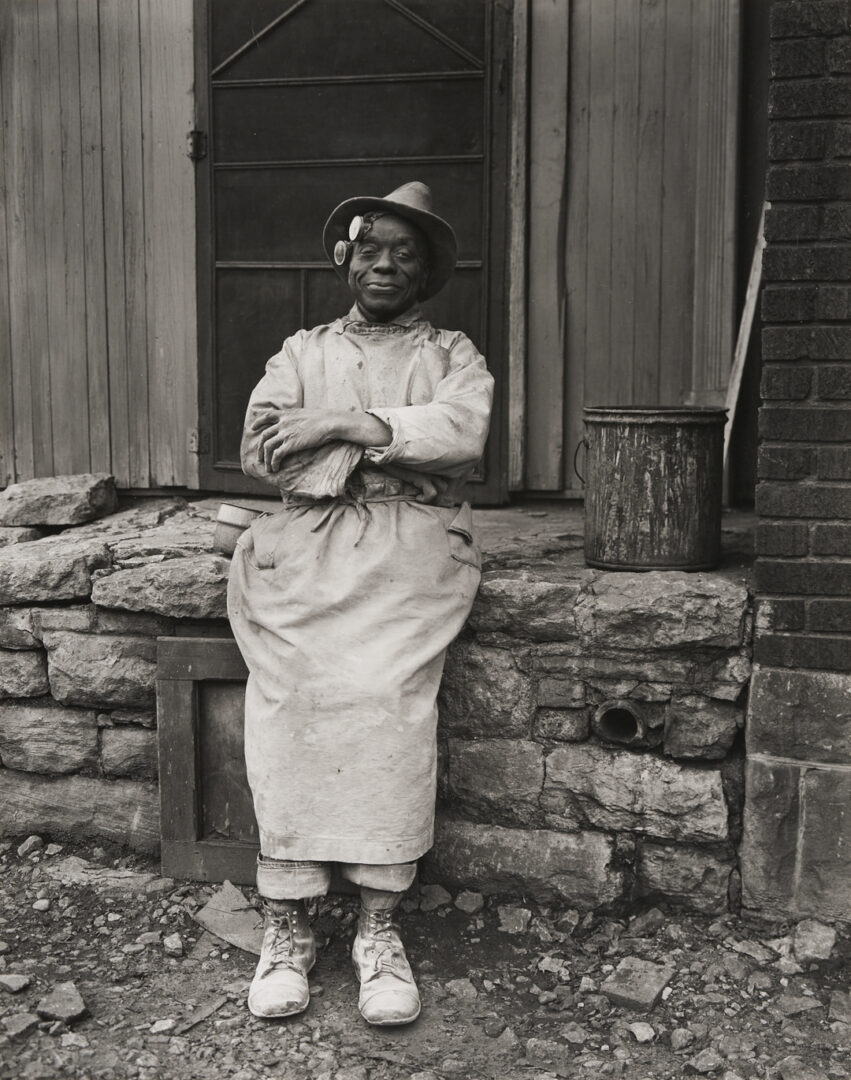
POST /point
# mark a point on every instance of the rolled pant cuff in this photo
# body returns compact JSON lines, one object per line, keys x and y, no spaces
{"x":283,"y":879}
{"x":394,"y":877}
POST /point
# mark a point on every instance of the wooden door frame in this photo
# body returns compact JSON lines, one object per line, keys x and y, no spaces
{"x":504,"y":303}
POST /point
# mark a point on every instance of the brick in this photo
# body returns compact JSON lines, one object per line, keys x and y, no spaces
{"x":798,"y":18}
{"x":781,"y":538}
{"x":805,"y":183}
{"x":825,"y":850}
{"x":799,"y":714}
{"x":829,"y":617}
{"x":807,"y":263}
{"x":806,"y":342}
{"x":792,"y":223}
{"x":809,"y":97}
{"x":562,"y":725}
{"x":838,"y":57}
{"x":835,"y":222}
{"x":783,"y":382}
{"x":803,"y":500}
{"x":803,"y":578}
{"x":821,"y":653}
{"x":796,"y":58}
{"x":561,"y":693}
{"x":785,"y":462}
{"x":833,"y":302}
{"x":805,"y":424}
{"x":834,"y":463}
{"x":834,"y":382}
{"x":769,"y":840}
{"x":796,"y":140}
{"x":831,"y":540}
{"x":773,"y":613}
{"x":842,"y":140}
{"x":795,"y":303}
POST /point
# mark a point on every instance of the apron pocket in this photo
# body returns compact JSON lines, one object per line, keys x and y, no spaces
{"x":462,"y":546}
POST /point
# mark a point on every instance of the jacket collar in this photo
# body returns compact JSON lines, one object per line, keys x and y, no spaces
{"x":355,"y":315}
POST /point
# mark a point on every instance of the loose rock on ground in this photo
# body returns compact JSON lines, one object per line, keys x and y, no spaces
{"x":117,"y":979}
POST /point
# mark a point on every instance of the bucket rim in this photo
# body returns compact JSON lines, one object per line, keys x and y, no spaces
{"x":657,"y":414}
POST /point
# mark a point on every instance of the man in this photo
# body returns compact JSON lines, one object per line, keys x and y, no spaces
{"x":343,"y":602}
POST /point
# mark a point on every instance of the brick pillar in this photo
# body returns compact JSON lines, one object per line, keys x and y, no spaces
{"x":796,"y":851}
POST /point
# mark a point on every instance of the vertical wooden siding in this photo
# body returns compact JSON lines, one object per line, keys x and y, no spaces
{"x":648,"y":247}
{"x":98,"y":363}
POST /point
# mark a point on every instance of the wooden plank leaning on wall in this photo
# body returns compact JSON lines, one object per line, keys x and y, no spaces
{"x":546,"y":284}
{"x":169,"y":109}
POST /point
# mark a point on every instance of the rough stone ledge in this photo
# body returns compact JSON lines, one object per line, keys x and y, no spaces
{"x":58,"y":500}
{"x":579,"y":868}
{"x":123,"y":811}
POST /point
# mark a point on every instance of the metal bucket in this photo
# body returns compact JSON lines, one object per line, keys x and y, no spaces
{"x":653,"y":487}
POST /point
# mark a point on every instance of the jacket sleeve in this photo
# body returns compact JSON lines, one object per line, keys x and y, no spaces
{"x":447,"y":435}
{"x":280,"y":388}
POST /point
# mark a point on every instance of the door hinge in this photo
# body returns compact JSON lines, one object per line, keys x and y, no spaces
{"x":199,"y":442}
{"x":196,"y":145}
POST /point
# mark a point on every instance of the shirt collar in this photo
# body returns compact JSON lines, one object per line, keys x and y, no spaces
{"x":355,"y":315}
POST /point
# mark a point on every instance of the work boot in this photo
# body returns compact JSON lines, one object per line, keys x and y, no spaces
{"x":388,"y":993}
{"x":279,"y":986}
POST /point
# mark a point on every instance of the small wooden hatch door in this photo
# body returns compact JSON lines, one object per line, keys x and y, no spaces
{"x":310,"y":102}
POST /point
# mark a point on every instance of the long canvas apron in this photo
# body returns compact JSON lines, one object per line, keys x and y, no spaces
{"x":343,"y":613}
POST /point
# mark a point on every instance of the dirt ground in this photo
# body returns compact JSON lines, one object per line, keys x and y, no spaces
{"x":509,"y":990}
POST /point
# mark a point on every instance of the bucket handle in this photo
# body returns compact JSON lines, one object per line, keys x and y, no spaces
{"x":582,"y":442}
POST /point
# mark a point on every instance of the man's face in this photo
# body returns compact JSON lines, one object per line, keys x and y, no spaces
{"x":388,"y":268}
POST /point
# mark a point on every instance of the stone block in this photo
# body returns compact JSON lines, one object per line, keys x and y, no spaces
{"x":618,"y":675}
{"x":142,"y":717}
{"x":58,"y":500}
{"x":726,"y":678}
{"x":136,"y":520}
{"x":129,"y":751}
{"x":17,"y":630}
{"x":99,"y":669}
{"x":55,"y":568}
{"x":523,"y":603}
{"x":698,"y":727}
{"x":689,"y":876}
{"x":189,"y":588}
{"x":824,"y":851}
{"x":505,"y":775}
{"x":22,"y":674}
{"x":800,"y":714}
{"x":484,"y":692}
{"x":578,"y":868}
{"x":181,"y":535}
{"x":769,"y":840}
{"x":43,"y":737}
{"x":561,"y":693}
{"x":123,"y":811}
{"x":661,"y":610}
{"x":18,"y":534}
{"x":636,"y":792}
{"x":80,"y":617}
{"x":562,"y":725}
{"x":637,"y":983}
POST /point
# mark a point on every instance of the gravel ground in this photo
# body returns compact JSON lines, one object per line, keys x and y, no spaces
{"x":88,"y":988}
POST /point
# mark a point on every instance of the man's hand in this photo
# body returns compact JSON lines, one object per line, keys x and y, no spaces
{"x":284,"y":433}
{"x":289,"y":430}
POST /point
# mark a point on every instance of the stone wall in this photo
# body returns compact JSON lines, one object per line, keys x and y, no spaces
{"x":590,"y":722}
{"x":797,"y":846}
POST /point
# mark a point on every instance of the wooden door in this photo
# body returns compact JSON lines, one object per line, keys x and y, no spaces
{"x":312,"y":102}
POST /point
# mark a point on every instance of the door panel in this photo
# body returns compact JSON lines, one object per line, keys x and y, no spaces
{"x":310,"y":103}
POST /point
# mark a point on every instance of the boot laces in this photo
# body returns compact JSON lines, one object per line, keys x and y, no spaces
{"x":281,"y":934}
{"x":388,"y":953}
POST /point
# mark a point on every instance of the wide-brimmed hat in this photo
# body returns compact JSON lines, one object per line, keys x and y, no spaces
{"x":411,"y":201}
